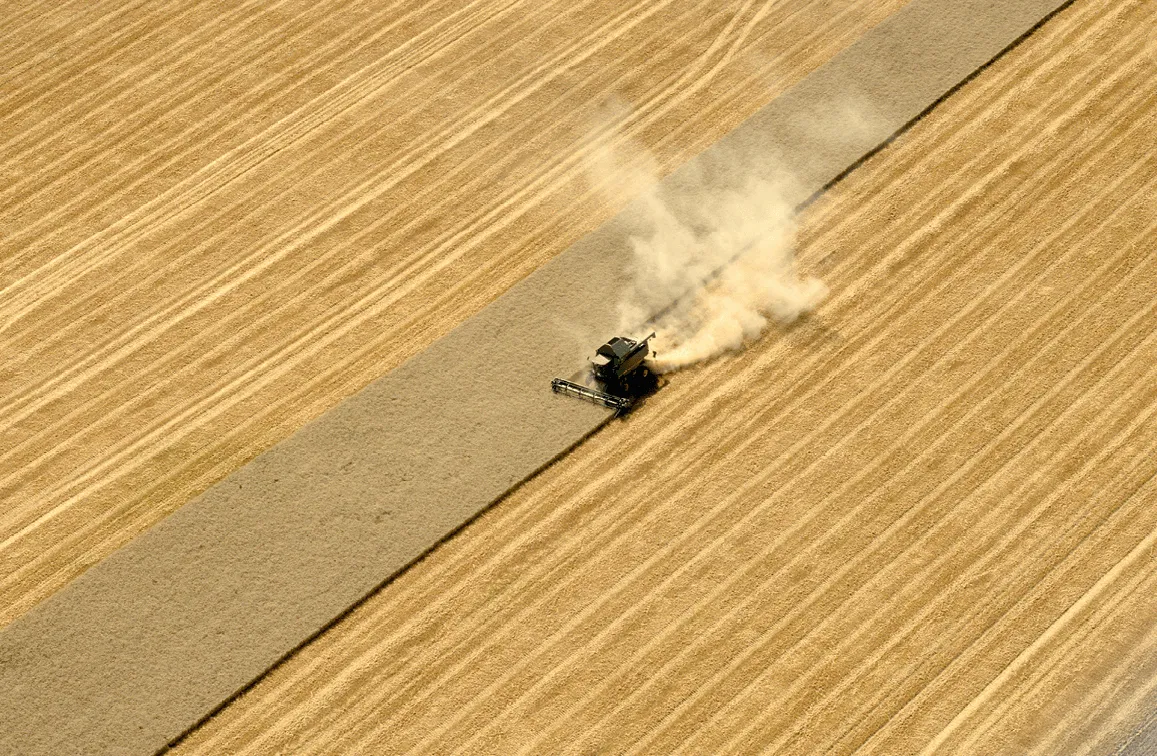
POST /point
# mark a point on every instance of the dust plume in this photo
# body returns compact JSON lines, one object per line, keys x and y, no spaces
{"x":715,"y":266}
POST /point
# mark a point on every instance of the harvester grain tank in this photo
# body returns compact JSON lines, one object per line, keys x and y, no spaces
{"x":620,"y":372}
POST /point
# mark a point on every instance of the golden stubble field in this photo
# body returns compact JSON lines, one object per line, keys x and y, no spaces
{"x":922,"y":518}
{"x":216,"y":221}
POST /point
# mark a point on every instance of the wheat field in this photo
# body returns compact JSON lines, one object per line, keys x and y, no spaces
{"x":920,"y":520}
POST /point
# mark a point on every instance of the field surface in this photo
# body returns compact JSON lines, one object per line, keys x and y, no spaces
{"x":218,"y":221}
{"x":923,"y":519}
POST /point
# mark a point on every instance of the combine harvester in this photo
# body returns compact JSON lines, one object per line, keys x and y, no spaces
{"x":620,"y":370}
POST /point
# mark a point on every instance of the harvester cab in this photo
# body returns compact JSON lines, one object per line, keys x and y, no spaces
{"x":619,"y":369}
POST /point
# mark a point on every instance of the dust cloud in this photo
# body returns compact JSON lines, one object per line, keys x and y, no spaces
{"x":711,"y":269}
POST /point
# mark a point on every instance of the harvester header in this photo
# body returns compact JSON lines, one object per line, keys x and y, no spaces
{"x":620,"y":373}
